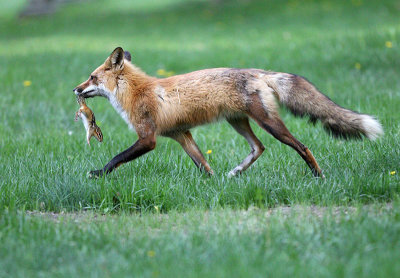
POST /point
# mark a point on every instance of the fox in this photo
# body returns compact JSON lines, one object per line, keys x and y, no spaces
{"x":172,"y":106}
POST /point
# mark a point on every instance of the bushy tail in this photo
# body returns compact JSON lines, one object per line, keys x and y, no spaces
{"x":303,"y":99}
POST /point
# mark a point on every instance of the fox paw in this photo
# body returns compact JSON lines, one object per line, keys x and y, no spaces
{"x":235,"y":172}
{"x":95,"y":174}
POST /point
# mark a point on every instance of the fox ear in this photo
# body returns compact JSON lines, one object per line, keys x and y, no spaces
{"x":116,"y":59}
{"x":128,"y":56}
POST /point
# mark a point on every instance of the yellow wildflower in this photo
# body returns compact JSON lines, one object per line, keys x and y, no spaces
{"x":209,"y":151}
{"x":357,"y":66}
{"x":169,"y":73}
{"x":388,"y":44}
{"x":151,"y":253}
{"x":27,"y":83}
{"x":161,"y":72}
{"x":393,"y":173}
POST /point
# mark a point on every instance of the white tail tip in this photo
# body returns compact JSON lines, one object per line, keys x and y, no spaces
{"x":372,"y":128}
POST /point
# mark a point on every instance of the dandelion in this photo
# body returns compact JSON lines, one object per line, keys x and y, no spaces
{"x":70,"y":132}
{"x":357,"y":66}
{"x":161,"y":72}
{"x":27,"y":83}
{"x":169,"y":73}
{"x":164,"y":73}
{"x":209,"y":152}
{"x":388,"y":44}
{"x":393,"y":173}
{"x":151,"y":253}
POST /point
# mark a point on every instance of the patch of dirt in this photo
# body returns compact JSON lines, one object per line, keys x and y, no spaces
{"x":283,"y":211}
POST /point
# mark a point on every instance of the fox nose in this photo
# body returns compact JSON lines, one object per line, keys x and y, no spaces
{"x":77,"y":90}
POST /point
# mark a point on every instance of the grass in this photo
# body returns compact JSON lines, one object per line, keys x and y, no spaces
{"x":45,"y":168}
{"x":348,"y":49}
{"x":301,"y":242}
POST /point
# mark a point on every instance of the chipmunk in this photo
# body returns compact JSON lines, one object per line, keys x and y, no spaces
{"x":89,"y":121}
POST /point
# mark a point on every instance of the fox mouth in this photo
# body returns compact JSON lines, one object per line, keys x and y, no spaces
{"x":85,"y":94}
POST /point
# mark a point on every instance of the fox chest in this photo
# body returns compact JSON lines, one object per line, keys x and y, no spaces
{"x":118,"y":107}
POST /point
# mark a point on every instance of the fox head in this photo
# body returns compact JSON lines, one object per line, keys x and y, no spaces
{"x":103,"y":81}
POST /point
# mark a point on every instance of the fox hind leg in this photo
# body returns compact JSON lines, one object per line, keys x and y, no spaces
{"x":187,"y":142}
{"x":272,"y":123}
{"x":242,"y":126}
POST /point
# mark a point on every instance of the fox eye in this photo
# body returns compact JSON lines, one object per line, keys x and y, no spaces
{"x":92,"y":77}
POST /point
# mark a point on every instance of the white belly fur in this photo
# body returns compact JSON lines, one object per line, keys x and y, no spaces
{"x":117,"y":106}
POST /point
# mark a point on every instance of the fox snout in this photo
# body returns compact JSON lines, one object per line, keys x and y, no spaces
{"x":86,"y":91}
{"x":77,"y":90}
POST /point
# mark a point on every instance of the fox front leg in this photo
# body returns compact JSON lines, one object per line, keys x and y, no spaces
{"x":142,"y":146}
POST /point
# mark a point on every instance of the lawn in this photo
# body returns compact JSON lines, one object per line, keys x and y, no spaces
{"x":285,"y":242}
{"x":56,"y":221}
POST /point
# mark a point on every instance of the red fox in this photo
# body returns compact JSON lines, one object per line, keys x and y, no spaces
{"x":171,"y":106}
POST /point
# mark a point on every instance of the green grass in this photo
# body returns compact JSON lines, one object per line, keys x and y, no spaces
{"x":44,"y":157}
{"x":301,"y":242}
{"x":45,"y":168}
